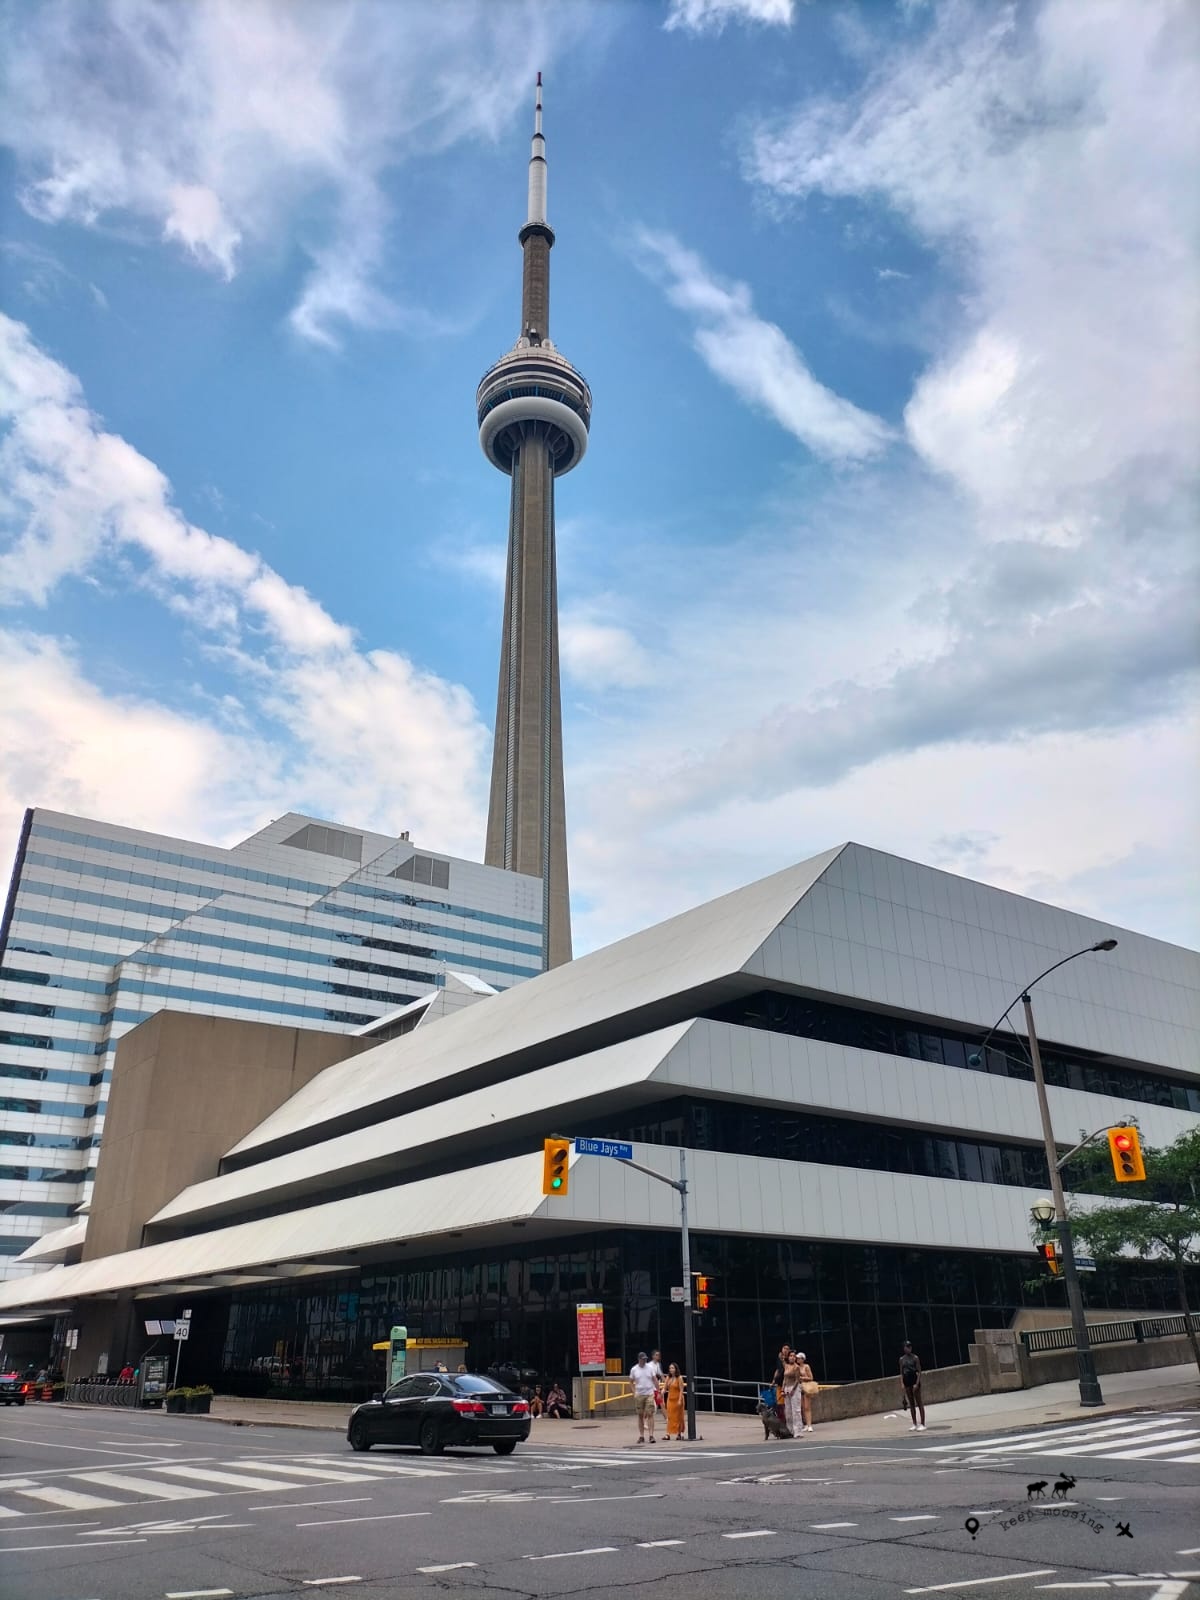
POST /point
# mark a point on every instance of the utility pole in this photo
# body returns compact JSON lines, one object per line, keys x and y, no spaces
{"x":1089,"y":1382}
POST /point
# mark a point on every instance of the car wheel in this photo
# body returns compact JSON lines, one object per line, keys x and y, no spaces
{"x":430,"y":1438}
{"x":359,"y":1439}
{"x":20,"y":1402}
{"x":505,"y":1447}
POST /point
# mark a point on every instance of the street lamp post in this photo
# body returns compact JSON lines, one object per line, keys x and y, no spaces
{"x":1089,"y":1383}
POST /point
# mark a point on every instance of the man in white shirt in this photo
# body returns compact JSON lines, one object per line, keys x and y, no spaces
{"x":644,"y":1386}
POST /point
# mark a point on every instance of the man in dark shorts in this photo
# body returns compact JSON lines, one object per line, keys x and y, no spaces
{"x":910,"y":1386}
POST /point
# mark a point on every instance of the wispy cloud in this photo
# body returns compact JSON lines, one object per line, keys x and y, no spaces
{"x":710,"y":16}
{"x":223,"y":125}
{"x":364,"y":734}
{"x":755,"y":357}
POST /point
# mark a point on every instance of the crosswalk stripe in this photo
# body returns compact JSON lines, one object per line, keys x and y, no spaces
{"x":1182,"y":1438}
{"x":151,"y":1486}
{"x":1152,"y":1450}
{"x":1063,"y":1429}
{"x":68,"y":1499}
{"x":5,"y":1512}
{"x":327,"y":1474}
{"x":233,"y":1480}
{"x":1146,"y":1432}
{"x":367,"y":1469}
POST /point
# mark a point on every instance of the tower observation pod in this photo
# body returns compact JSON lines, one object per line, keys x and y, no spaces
{"x":534,"y":412}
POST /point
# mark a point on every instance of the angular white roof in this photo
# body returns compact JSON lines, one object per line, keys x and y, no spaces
{"x":697,"y":949}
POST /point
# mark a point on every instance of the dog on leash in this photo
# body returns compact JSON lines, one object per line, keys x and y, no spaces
{"x":772,"y":1427}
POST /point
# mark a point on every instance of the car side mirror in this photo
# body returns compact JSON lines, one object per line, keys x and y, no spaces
{"x":376,"y":1397}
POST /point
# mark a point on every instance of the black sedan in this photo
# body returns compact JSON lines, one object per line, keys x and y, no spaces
{"x":14,"y":1389}
{"x":436,"y":1409}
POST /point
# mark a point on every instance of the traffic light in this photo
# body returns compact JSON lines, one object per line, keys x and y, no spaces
{"x":554,"y":1166}
{"x":1126,"y":1150}
{"x":702,"y":1293}
{"x":1049,"y":1254}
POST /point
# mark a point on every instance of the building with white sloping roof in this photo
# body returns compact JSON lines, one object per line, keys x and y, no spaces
{"x":855,"y":1179}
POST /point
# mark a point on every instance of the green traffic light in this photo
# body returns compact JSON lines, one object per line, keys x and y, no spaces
{"x":556,"y":1183}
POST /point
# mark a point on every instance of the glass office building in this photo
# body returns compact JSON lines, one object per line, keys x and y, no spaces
{"x":306,"y":922}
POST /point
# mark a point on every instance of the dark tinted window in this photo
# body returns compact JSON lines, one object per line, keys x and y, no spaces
{"x":468,"y":1383}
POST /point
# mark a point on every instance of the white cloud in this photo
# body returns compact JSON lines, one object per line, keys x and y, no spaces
{"x":226,"y":126}
{"x":755,"y":357}
{"x":323,"y":725}
{"x":600,"y":655}
{"x":710,"y":16}
{"x":983,"y":647}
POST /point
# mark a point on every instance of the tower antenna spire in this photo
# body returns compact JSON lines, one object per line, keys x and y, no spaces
{"x":537,"y":163}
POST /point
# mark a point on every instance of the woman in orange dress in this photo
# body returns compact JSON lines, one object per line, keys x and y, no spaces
{"x":673,"y":1386}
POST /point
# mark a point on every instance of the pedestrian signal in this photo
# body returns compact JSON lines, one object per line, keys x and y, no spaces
{"x":702,"y":1293}
{"x":1049,"y":1254}
{"x":554,"y":1166}
{"x":1126,"y":1150}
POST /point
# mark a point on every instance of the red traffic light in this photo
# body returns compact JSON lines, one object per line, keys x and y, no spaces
{"x":1123,"y":1142}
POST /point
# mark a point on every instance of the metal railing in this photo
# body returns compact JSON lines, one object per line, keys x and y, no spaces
{"x":103,"y":1394}
{"x":727,"y":1394}
{"x":1137,"y":1331}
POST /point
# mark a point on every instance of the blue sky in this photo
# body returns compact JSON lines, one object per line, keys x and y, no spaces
{"x":887,"y":528}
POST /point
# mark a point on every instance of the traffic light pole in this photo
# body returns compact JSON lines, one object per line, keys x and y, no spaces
{"x":1089,"y":1382}
{"x":685,"y":1251}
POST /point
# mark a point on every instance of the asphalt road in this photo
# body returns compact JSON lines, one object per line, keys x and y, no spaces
{"x":125,"y":1506}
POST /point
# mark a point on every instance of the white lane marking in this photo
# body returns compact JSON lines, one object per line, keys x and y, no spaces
{"x":1091,"y":1584}
{"x":823,"y":1527}
{"x":1194,"y":1551}
{"x":562,"y":1555}
{"x":69,"y":1499}
{"x":591,"y":1499}
{"x":16,"y":1549}
{"x":320,"y":1583}
{"x":329,"y":1474}
{"x":753,"y":1533}
{"x":303,"y":1505}
{"x":5,"y":1512}
{"x":1189,"y":1459}
{"x":971,"y":1583}
{"x":925,"y":1516}
{"x":158,"y":1444}
{"x":85,"y":1449}
{"x":196,"y":1594}
{"x":158,"y":1491}
{"x":390,"y":1516}
{"x":233,"y":1479}
{"x":450,"y":1566}
{"x":994,"y":1511}
{"x":660,"y":1544}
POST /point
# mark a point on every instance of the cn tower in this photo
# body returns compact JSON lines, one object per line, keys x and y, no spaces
{"x":534,"y":412}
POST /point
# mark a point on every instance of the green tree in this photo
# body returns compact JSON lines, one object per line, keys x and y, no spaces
{"x":1161,"y":1223}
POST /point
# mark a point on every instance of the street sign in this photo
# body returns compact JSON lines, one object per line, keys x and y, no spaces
{"x":604,"y":1147}
{"x":186,"y":1315}
{"x":679,"y":1295}
{"x":72,"y":1338}
{"x":1085,"y":1264}
{"x":182,"y":1329}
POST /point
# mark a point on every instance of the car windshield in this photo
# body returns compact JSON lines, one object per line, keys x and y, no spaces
{"x":468,"y":1383}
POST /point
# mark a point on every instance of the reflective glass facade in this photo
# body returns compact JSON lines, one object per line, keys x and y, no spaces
{"x":849,"y":1307}
{"x":303,"y":923}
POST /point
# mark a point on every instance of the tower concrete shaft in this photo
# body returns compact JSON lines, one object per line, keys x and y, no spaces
{"x":534,"y":413}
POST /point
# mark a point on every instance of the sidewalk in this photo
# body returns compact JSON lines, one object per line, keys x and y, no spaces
{"x":1161,"y":1388}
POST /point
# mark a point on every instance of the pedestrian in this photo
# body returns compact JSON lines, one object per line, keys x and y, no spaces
{"x":656,"y":1367}
{"x":785,"y":1355}
{"x":790,"y":1388}
{"x":126,"y":1374}
{"x":537,"y":1405}
{"x":910,"y":1386}
{"x":641,"y":1381}
{"x":808,"y":1387}
{"x":675,"y":1388}
{"x":556,"y":1403}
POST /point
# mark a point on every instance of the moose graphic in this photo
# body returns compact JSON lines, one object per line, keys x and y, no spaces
{"x":1063,"y":1486}
{"x":1036,"y":1491}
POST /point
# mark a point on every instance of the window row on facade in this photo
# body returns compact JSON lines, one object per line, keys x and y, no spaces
{"x":1006,"y":1058}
